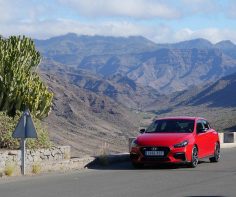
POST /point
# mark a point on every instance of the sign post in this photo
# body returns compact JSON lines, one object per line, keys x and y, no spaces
{"x":22,"y":146}
{"x":24,"y":129}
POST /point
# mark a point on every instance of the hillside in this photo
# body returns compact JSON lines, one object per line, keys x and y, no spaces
{"x":118,"y":88}
{"x":86,"y":120}
{"x":106,"y":88}
{"x":216,"y":102}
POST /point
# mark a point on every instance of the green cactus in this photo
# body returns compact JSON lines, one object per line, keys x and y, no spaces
{"x":20,"y":85}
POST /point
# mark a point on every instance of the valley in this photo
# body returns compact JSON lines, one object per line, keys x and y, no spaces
{"x":106,"y":88}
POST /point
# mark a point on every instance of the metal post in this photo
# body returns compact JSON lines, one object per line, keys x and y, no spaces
{"x":23,"y":141}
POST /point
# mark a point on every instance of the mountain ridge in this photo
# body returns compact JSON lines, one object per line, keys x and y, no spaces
{"x":143,"y":61}
{"x":105,"y":91}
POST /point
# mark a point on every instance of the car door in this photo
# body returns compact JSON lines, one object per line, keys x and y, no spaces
{"x":211,"y":139}
{"x":201,"y":139}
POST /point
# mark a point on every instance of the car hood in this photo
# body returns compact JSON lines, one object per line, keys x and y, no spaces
{"x":162,"y":139}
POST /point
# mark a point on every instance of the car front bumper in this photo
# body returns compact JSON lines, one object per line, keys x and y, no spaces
{"x":171,"y":155}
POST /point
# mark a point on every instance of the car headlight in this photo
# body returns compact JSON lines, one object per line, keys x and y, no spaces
{"x":182,"y":144}
{"x":134,"y":143}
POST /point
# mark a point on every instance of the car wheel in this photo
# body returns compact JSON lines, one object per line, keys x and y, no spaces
{"x":194,"y":160}
{"x":137,"y":165}
{"x":216,"y":157}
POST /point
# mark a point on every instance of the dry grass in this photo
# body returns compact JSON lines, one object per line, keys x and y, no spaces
{"x":36,"y":168}
{"x":10,"y":169}
{"x":104,"y":152}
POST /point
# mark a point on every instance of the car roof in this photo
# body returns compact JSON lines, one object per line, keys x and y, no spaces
{"x":180,"y":117}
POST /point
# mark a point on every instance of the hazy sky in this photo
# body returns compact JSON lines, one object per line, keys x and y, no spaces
{"x":159,"y":20}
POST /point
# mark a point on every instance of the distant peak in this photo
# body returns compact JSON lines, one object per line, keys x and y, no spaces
{"x":225,"y":44}
{"x":71,"y":35}
{"x":195,"y":43}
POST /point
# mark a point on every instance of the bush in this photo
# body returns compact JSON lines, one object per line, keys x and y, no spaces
{"x":36,"y":168}
{"x":7,"y":126}
{"x":10,"y":169}
{"x":104,"y":152}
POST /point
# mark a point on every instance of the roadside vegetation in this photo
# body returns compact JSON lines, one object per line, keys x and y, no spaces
{"x":104,"y":152}
{"x":10,"y":169}
{"x":36,"y":168}
{"x":21,"y":88}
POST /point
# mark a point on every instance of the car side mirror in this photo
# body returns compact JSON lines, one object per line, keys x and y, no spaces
{"x":201,"y":130}
{"x":142,"y":130}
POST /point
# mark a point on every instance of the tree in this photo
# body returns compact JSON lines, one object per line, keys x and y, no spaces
{"x":20,"y":85}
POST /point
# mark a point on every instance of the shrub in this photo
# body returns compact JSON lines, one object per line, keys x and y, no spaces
{"x":10,"y":169}
{"x":104,"y":152}
{"x":67,"y":155}
{"x":36,"y":168}
{"x":7,"y":126}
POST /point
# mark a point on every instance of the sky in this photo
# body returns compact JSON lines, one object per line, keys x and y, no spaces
{"x":162,"y":21}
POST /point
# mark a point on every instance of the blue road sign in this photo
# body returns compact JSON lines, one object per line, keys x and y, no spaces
{"x":25,"y":127}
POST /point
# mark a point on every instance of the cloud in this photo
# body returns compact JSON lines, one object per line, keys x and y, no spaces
{"x":212,"y":34}
{"x":231,"y":10}
{"x":157,"y":33}
{"x":206,"y":7}
{"x":9,"y":12}
{"x":156,"y":20}
{"x":45,"y":29}
{"x":140,"y":9}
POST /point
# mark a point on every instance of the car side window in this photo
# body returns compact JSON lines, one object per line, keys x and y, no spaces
{"x":200,"y":127}
{"x":209,"y":126}
{"x":206,"y":125}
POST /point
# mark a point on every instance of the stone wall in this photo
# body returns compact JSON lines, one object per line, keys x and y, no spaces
{"x":45,"y":158}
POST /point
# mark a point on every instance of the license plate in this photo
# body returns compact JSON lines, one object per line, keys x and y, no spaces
{"x":154,"y":153}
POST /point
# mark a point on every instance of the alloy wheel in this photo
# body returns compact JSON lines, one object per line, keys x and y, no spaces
{"x":216,"y":157}
{"x":194,"y":161}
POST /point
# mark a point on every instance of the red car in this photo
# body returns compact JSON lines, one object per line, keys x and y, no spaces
{"x":176,"y":140}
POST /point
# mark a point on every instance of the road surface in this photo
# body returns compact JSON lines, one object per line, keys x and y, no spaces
{"x":208,"y":179}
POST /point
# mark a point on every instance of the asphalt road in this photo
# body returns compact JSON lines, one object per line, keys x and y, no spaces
{"x":208,"y":179}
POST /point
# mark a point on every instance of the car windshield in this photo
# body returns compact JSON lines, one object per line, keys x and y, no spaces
{"x":171,"y":126}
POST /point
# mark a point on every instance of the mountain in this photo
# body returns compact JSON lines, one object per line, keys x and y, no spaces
{"x":166,"y":68}
{"x":227,"y":47}
{"x":70,"y":49}
{"x":216,"y":102}
{"x":120,"y":89}
{"x":196,"y":43}
{"x":86,"y":120}
{"x":107,"y":87}
{"x":221,"y":94}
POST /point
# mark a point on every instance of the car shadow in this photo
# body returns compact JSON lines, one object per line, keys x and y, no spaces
{"x":127,"y":165}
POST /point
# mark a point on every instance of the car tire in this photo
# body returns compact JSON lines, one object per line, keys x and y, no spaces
{"x":216,"y":157}
{"x":194,"y":159}
{"x":137,"y":165}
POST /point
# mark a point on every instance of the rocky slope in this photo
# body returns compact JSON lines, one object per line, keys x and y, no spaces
{"x":216,"y":102}
{"x":86,"y":120}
